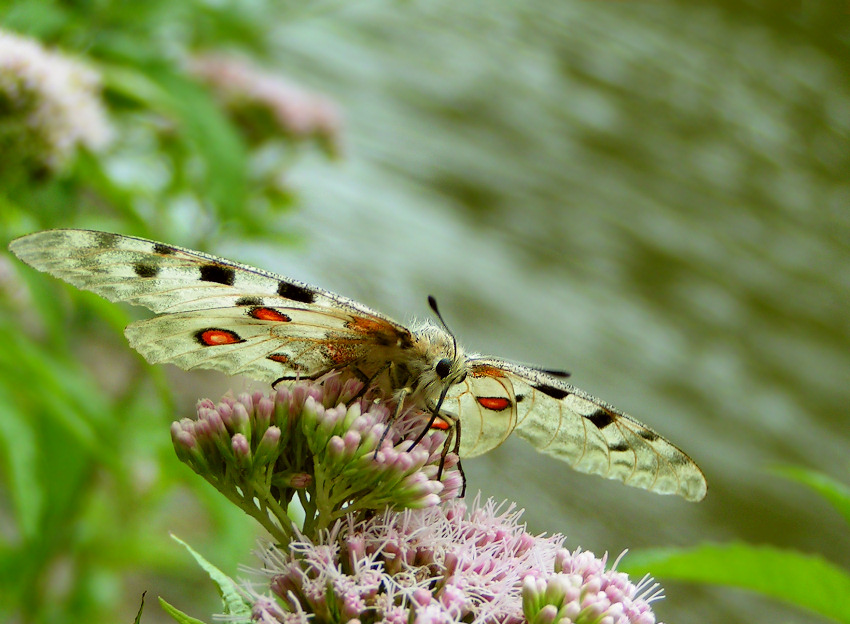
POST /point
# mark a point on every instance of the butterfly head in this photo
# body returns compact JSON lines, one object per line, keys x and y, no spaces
{"x":442,"y":364}
{"x":450,"y":369}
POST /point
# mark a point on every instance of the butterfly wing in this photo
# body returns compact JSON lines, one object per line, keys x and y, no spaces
{"x":215,"y":313}
{"x":500,"y":397}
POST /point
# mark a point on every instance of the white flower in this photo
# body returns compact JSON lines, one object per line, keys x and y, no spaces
{"x":56,"y":100}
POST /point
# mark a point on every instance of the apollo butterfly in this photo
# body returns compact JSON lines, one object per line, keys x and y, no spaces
{"x":217,"y":314}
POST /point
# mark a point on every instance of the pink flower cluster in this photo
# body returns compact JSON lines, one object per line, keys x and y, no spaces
{"x":322,"y":442}
{"x":583,"y":591}
{"x":385,"y":538}
{"x":443,"y":565}
{"x":294,"y":111}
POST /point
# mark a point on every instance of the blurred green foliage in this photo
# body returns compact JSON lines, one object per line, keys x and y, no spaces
{"x":89,"y":488}
{"x":177,"y":153}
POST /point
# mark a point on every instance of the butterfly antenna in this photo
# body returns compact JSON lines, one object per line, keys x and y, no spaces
{"x":432,"y":302}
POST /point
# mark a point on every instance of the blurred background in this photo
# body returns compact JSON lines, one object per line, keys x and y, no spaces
{"x":653,"y":196}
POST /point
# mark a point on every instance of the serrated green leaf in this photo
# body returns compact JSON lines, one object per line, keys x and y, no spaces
{"x":807,"y":581}
{"x":234,"y":604}
{"x":837,"y":493}
{"x":177,"y":614}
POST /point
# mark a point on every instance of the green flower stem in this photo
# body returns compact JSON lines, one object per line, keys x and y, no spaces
{"x":308,"y":502}
{"x":283,"y":533}
{"x":279,"y":512}
{"x":323,"y":506}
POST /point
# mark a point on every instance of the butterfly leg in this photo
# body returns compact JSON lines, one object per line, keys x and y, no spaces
{"x":352,"y":368}
{"x":299,"y":377}
{"x":452,"y":436}
{"x":456,"y":451}
{"x":435,"y":414}
{"x":398,"y":377}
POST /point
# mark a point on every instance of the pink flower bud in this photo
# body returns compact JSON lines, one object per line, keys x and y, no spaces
{"x":263,"y":412}
{"x":336,"y":446}
{"x":422,"y":597}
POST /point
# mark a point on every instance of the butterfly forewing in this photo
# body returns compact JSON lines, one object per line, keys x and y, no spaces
{"x":216,"y":314}
{"x":166,"y":278}
{"x":567,"y":423}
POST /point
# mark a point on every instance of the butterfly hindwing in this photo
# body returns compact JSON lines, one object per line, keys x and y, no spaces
{"x":264,"y":343}
{"x":558,"y":419}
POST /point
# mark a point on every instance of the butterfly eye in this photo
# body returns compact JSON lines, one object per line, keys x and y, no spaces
{"x":443,"y":368}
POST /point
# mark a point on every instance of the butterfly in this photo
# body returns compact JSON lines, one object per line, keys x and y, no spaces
{"x":216,"y":314}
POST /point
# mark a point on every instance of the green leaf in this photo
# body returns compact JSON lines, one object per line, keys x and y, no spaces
{"x":833,"y":491}
{"x":807,"y":581}
{"x":234,"y":604}
{"x":17,"y":440}
{"x":141,"y":608}
{"x":177,"y":614}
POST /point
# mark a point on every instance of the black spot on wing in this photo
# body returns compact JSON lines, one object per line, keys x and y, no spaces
{"x":555,"y":373}
{"x":619,"y":446}
{"x":163,"y":250}
{"x":600,"y":418}
{"x":555,"y":393}
{"x":106,"y":240}
{"x":218,"y":273}
{"x":145,"y":269}
{"x":679,"y":459}
{"x":648,"y":435}
{"x":249,"y":301}
{"x":296,"y":292}
{"x":296,"y":377}
{"x":519,"y":398}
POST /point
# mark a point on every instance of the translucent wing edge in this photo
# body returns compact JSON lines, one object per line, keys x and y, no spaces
{"x":692,"y":483}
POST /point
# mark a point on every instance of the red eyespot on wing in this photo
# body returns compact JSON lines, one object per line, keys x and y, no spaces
{"x":440,"y":424}
{"x":269,"y":314}
{"x":215,"y":337}
{"x":282,"y":358}
{"x":496,"y":404}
